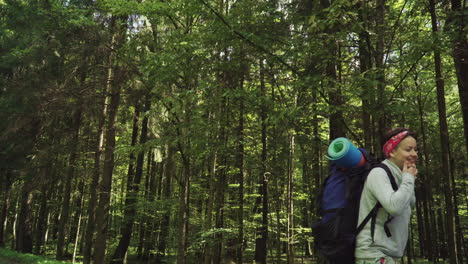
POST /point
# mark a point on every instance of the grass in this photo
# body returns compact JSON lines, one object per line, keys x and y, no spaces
{"x":12,"y":257}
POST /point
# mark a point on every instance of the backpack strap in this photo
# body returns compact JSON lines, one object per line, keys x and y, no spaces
{"x":373,"y":213}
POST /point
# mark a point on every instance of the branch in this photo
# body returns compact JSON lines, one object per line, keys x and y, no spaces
{"x":387,"y":55}
{"x":406,"y":74}
{"x":250,"y":42}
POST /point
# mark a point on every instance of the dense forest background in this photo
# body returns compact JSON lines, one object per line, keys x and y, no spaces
{"x":194,"y":131}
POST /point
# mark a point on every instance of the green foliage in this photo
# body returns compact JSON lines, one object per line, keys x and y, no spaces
{"x":13,"y":257}
{"x":273,"y":66}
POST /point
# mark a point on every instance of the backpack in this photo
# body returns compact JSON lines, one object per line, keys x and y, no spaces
{"x":338,"y":205}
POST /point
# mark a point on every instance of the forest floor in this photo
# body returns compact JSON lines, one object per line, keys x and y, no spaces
{"x":12,"y":257}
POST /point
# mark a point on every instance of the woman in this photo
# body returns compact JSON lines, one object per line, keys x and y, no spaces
{"x":386,"y":247}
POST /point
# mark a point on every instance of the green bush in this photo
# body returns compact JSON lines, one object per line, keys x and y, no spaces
{"x":13,"y":257}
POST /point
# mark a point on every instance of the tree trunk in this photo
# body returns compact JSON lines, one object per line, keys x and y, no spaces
{"x":429,"y":227}
{"x":409,"y":247}
{"x":262,"y":230}
{"x":460,"y":57}
{"x":444,"y":141}
{"x":145,"y":225}
{"x":105,"y":186}
{"x":210,"y":203}
{"x":443,"y":247}
{"x":221,"y":174}
{"x":91,"y":211}
{"x":365,"y":63}
{"x":183,"y":216}
{"x":7,"y":181}
{"x":184,"y":199}
{"x":331,"y":80}
{"x":152,"y":223}
{"x":240,"y":176}
{"x":169,"y":174}
{"x":65,"y":212}
{"x":457,"y":227}
{"x":380,"y":112}
{"x":42,"y":217}
{"x":290,"y":202}
{"x":129,"y":210}
{"x":24,"y":220}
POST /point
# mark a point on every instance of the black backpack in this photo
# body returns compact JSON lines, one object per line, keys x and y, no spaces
{"x":338,"y":207}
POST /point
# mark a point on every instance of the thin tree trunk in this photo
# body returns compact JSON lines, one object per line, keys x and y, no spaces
{"x":457,"y":227}
{"x":151,"y":230}
{"x":145,"y":224}
{"x":262,"y":230}
{"x":42,"y":217}
{"x":443,"y":247}
{"x":184,"y":199}
{"x":78,"y":218}
{"x":380,"y":116}
{"x":65,"y":212}
{"x":219,"y":209}
{"x":6,"y":184}
{"x":169,"y":174}
{"x":183,"y":216}
{"x":129,"y":211}
{"x":335,"y":97}
{"x":365,"y":63}
{"x":221,"y":182}
{"x":75,"y":248}
{"x":427,"y":187}
{"x":210,"y":204}
{"x":460,"y":57}
{"x":444,"y":141}
{"x":240,"y":176}
{"x":91,"y":211}
{"x":290,"y":202}
{"x":409,"y":247}
{"x":24,"y":221}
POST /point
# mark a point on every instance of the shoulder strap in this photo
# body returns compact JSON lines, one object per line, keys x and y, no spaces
{"x":389,"y":174}
{"x":373,"y":213}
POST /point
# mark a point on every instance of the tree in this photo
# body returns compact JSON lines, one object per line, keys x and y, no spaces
{"x":444,"y":141}
{"x":114,"y":82}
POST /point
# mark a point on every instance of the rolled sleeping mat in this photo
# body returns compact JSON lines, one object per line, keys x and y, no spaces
{"x":345,"y":154}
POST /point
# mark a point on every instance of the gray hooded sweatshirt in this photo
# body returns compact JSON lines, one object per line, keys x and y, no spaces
{"x":395,"y":203}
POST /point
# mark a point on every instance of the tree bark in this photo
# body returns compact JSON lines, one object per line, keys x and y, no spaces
{"x":444,"y":141}
{"x":184,"y":216}
{"x":429,"y":226}
{"x":210,"y":202}
{"x":129,"y":211}
{"x":365,"y":63}
{"x":65,"y":212}
{"x":184,"y":183}
{"x":460,"y":57}
{"x":221,"y":173}
{"x":7,"y":181}
{"x":240,"y":176}
{"x":24,"y":221}
{"x":105,"y":185}
{"x":91,"y":211}
{"x":42,"y":216}
{"x":169,"y":174}
{"x":380,"y":112}
{"x":262,"y":230}
{"x":290,"y":201}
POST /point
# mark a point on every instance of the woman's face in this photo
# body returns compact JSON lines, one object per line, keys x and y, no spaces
{"x":405,"y":151}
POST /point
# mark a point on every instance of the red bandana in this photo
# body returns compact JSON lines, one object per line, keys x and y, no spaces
{"x":393,"y":142}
